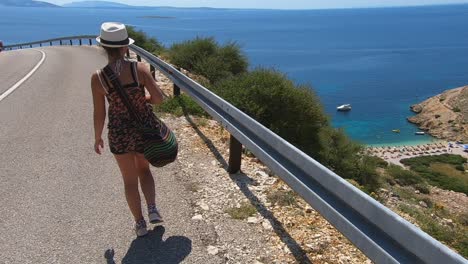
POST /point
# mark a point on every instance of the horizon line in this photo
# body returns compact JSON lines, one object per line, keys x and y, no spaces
{"x":258,"y":8}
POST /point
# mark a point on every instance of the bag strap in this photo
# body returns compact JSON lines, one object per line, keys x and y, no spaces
{"x":123,"y":95}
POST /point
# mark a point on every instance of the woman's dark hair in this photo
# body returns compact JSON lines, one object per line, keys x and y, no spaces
{"x":112,"y":52}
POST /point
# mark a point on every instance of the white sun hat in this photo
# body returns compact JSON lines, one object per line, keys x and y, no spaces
{"x":114,"y":35}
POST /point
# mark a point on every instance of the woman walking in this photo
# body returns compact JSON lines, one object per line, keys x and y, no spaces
{"x":125,"y":140}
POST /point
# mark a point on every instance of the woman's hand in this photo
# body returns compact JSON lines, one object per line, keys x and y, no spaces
{"x":99,"y":146}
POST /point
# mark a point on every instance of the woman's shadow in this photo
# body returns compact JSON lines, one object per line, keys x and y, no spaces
{"x":152,"y":249}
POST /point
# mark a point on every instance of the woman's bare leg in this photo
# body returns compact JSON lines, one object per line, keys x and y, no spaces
{"x":146,"y":178}
{"x":130,"y":177}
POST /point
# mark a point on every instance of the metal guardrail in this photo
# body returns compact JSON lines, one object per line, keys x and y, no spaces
{"x":90,"y":39}
{"x":378,"y":232}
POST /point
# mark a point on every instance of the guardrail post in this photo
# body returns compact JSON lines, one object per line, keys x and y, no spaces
{"x":138,"y":58}
{"x":90,"y":43}
{"x":40,"y":44}
{"x":71,"y":42}
{"x":176,"y":90}
{"x":80,"y":42}
{"x":21,"y":47}
{"x":30,"y":46}
{"x":235,"y":155}
{"x":50,"y":43}
{"x":60,"y":42}
{"x":153,"y":71}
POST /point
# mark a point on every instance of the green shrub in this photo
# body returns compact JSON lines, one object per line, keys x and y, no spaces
{"x":293,"y":113}
{"x":282,"y":198}
{"x":456,"y":109}
{"x":423,"y":188}
{"x":441,"y":171}
{"x":204,"y":56}
{"x":181,"y":105}
{"x":404,"y":177}
{"x":460,"y":167}
{"x":148,"y":43}
{"x":245,"y":211}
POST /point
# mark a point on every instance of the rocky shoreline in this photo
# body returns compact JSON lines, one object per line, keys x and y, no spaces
{"x":444,"y":116}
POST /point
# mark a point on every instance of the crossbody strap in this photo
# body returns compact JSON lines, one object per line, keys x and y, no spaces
{"x":123,"y":95}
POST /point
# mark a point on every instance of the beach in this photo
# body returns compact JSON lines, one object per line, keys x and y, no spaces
{"x":394,"y":154}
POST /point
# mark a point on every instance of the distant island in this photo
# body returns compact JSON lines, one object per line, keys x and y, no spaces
{"x":26,"y":3}
{"x":109,"y":4}
{"x":444,"y":116}
{"x":97,"y":4}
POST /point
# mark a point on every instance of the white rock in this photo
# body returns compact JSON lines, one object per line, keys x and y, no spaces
{"x":197,"y":217}
{"x":252,"y":220}
{"x":261,"y":174}
{"x":258,"y":262}
{"x":212,"y":250}
{"x":422,"y":204}
{"x":286,"y":249}
{"x":266,"y":225}
{"x":204,"y":206}
{"x":214,"y":163}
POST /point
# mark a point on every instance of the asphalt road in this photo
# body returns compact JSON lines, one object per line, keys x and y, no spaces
{"x":59,"y":201}
{"x":14,"y":64}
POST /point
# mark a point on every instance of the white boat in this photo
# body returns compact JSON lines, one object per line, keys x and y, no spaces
{"x":420,"y":133}
{"x":345,"y":107}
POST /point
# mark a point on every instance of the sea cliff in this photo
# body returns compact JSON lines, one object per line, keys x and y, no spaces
{"x":445,"y":115}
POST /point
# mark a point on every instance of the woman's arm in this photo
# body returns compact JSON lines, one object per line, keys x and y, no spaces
{"x":155,"y":96}
{"x":99,"y":103}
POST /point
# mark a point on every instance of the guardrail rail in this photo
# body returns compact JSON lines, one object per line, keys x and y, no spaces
{"x":378,"y":232}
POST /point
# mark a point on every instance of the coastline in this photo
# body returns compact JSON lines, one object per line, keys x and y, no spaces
{"x":444,"y":116}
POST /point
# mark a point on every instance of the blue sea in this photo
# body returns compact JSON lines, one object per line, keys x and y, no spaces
{"x":379,"y":60}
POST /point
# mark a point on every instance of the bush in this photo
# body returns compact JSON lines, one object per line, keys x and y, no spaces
{"x":245,"y":211}
{"x":204,"y":56}
{"x":282,"y":198}
{"x":294,"y":113}
{"x":181,"y":105}
{"x":456,"y":109}
{"x":423,"y":188}
{"x":441,"y":171}
{"x":460,"y":167}
{"x":148,"y":43}
{"x":404,"y":177}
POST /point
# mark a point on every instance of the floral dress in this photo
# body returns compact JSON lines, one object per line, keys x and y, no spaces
{"x":124,"y":135}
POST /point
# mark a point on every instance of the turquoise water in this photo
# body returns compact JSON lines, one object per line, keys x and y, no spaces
{"x":379,"y":60}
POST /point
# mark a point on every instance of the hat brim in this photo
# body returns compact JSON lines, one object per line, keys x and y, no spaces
{"x":130,"y":42}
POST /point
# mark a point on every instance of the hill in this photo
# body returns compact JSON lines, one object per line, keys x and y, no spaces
{"x":26,"y":3}
{"x":97,"y":4}
{"x":445,"y":115}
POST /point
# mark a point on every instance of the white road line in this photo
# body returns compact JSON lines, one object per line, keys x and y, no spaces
{"x":18,"y":84}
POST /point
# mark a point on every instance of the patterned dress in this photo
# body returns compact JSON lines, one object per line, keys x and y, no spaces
{"x":124,"y":135}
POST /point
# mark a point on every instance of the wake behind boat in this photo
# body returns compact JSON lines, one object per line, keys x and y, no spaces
{"x":345,"y":107}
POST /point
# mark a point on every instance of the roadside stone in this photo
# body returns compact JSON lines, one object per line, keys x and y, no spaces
{"x":261,"y":174}
{"x":197,"y":217}
{"x":252,"y":220}
{"x":267,"y":226}
{"x":212,"y":250}
{"x":422,"y":204}
{"x":204,"y":206}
